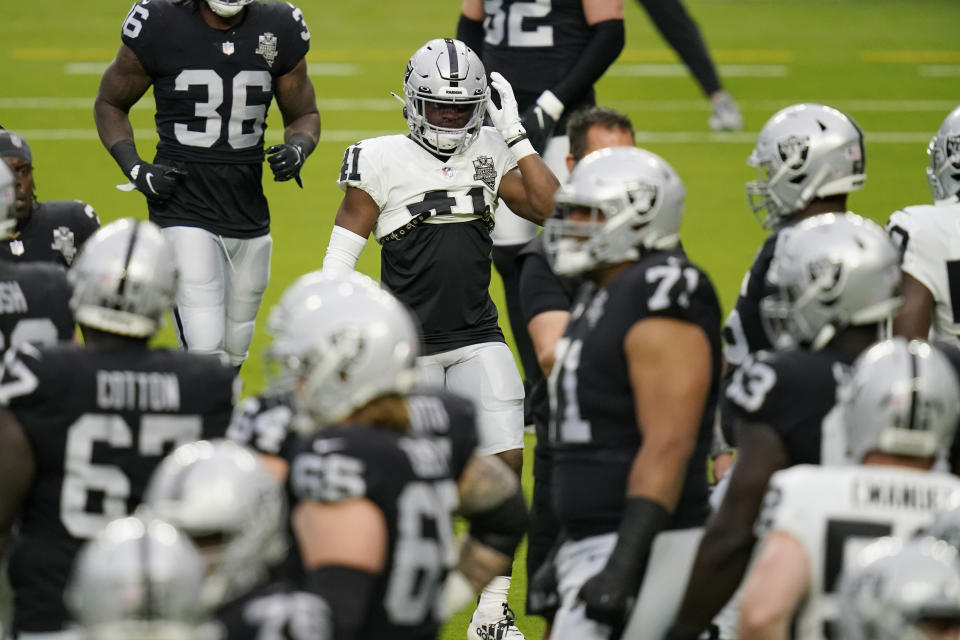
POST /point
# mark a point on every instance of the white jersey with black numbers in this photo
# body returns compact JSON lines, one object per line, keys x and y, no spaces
{"x":406,"y":180}
{"x":434,"y":227}
{"x":836,"y":511}
{"x":929,"y":241}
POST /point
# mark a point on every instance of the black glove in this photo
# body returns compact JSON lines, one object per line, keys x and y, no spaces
{"x":156,"y":181}
{"x":539,"y":126}
{"x":609,"y":596}
{"x":543,"y":598}
{"x":285,"y":161}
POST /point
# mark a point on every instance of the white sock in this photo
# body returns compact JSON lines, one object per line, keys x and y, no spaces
{"x":494,"y":595}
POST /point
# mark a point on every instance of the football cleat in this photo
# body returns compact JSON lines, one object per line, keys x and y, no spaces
{"x":726,"y":114}
{"x":501,"y":628}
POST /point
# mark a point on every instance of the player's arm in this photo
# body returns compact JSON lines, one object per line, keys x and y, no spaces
{"x":470,"y":27}
{"x":17,"y":470}
{"x":916,"y":315}
{"x":491,"y":499}
{"x":773,"y":589}
{"x":545,"y":330}
{"x":669,"y":363}
{"x":301,"y":120}
{"x":123,"y":83}
{"x":724,"y":551}
{"x":343,"y":546}
{"x":355,"y":220}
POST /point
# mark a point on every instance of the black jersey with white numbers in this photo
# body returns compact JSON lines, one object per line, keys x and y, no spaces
{"x":794,"y":393}
{"x":213,"y":88}
{"x":412,"y":479}
{"x":53,"y":232}
{"x":278,"y":610}
{"x":99,"y":421}
{"x":593,"y":430}
{"x":34,"y":304}
{"x":264,"y":423}
{"x":535,"y":45}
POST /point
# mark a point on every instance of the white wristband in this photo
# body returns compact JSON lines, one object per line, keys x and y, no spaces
{"x":342,"y":252}
{"x":551,"y":104}
{"x":457,"y":592}
{"x":522,"y":149}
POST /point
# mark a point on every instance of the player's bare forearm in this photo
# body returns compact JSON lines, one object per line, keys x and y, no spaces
{"x":123,"y":83}
{"x":540,"y":184}
{"x":298,"y":103}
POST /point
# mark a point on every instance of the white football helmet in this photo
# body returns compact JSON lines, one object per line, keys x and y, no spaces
{"x":8,"y":201}
{"x":902,"y":398}
{"x":831,"y":271}
{"x":635,"y":200}
{"x":445,"y":72}
{"x":943,"y":174}
{"x":897,"y":586}
{"x":946,"y":527}
{"x":138,"y":579}
{"x":124,"y":279}
{"x":227,"y":8}
{"x":220,"y":494}
{"x":803,"y":152}
{"x":346,"y":341}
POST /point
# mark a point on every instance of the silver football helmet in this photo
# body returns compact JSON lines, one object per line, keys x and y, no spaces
{"x":896,"y":587}
{"x":346,"y":341}
{"x":946,"y":527}
{"x":138,"y":579}
{"x":943,"y":174}
{"x":803,"y":152}
{"x":448,"y":73}
{"x":902,"y":398}
{"x":220,"y":494}
{"x":8,"y":201}
{"x":831,"y":271}
{"x":635,"y":201}
{"x":124,"y":280}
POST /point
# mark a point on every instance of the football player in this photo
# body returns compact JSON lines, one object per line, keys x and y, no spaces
{"x":546,"y":301}
{"x":84,"y":426}
{"x":382,"y":470}
{"x":35,"y":296}
{"x":429,"y":200}
{"x":632,"y":392}
{"x":51,"y":231}
{"x":138,"y":578}
{"x":224,"y":498}
{"x":901,"y":590}
{"x":552,"y":53}
{"x":835,"y":282}
{"x":899,"y":412}
{"x":927,"y":236}
{"x":203,"y":187}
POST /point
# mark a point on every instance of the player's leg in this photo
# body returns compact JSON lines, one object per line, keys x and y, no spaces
{"x":199,"y":312}
{"x":487,"y":374}
{"x":664,"y":583}
{"x":247,"y":277}
{"x":578,"y":561}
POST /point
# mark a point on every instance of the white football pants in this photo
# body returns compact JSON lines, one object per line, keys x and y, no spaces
{"x":511,"y":229}
{"x":222,"y":281}
{"x":487,"y":374}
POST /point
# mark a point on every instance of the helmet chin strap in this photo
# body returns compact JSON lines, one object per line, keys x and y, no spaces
{"x":225,"y":10}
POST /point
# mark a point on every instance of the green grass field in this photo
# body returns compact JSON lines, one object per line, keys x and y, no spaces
{"x":894,"y":65}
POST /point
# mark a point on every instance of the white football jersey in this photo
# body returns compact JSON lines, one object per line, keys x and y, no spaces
{"x":929,"y":241}
{"x":835,"y":511}
{"x":406,"y":181}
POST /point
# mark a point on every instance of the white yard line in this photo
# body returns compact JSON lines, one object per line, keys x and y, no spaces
{"x":678,"y":70}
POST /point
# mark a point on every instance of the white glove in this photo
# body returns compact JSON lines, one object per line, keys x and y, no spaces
{"x":507,"y":118}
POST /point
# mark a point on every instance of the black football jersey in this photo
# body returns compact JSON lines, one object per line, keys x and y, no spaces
{"x":34,"y":304}
{"x":412,"y":479}
{"x":593,"y":426}
{"x":99,"y":422}
{"x":213,"y":88}
{"x":793,"y":393}
{"x":264,"y":423}
{"x":54,"y":232}
{"x":534,"y":45}
{"x":276,"y":611}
